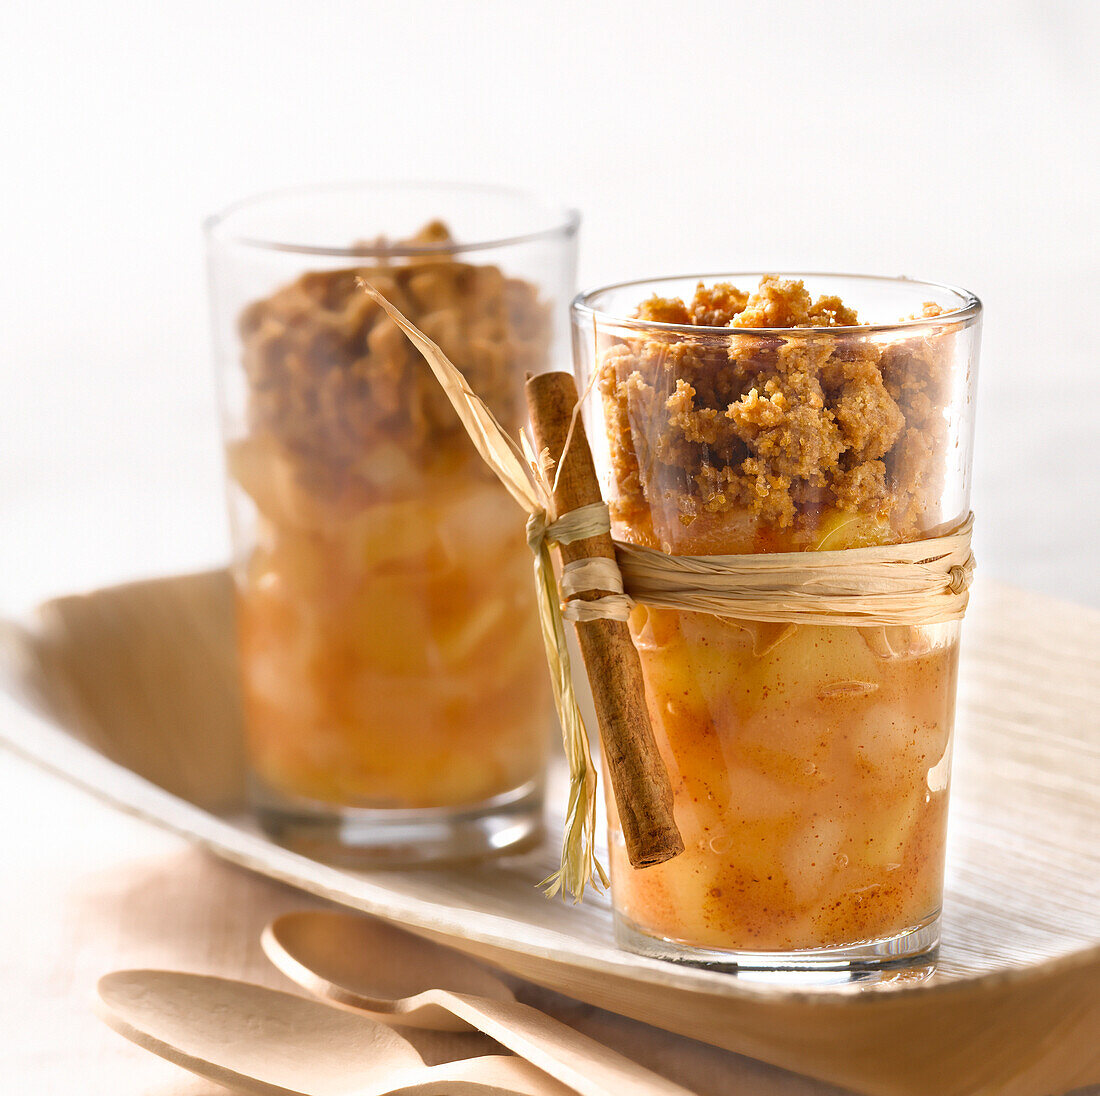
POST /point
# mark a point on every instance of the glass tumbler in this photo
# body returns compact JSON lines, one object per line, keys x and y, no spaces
{"x":810,"y":763}
{"x":394,"y":682}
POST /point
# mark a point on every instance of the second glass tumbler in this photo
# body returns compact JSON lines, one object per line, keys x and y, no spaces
{"x":393,"y":676}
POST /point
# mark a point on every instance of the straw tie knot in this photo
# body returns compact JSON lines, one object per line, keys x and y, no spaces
{"x":537,"y":524}
{"x":593,"y":574}
{"x":960,"y":576}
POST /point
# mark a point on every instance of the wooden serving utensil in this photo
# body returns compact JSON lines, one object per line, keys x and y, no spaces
{"x":262,"y":1041}
{"x":371,"y":966}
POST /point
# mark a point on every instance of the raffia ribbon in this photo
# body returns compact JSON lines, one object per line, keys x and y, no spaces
{"x":525,"y":476}
{"x":922,"y":582}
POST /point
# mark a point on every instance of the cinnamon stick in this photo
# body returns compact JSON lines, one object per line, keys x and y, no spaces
{"x":637,"y":772}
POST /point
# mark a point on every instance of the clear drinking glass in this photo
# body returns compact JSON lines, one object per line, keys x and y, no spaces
{"x":392,"y":669}
{"x":810,"y":764}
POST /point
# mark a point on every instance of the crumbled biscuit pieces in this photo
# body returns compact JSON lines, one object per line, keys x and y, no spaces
{"x":784,"y":427}
{"x":338,"y":385}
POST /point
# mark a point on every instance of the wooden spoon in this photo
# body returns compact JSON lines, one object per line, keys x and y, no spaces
{"x":262,"y":1041}
{"x":370,"y":966}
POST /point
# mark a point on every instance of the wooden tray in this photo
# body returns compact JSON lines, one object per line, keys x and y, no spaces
{"x":131,"y":693}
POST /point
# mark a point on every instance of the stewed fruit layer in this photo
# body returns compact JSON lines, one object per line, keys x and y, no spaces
{"x":809,"y":779}
{"x":391,"y":656}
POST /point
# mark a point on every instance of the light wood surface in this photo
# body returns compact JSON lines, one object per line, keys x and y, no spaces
{"x":87,"y":889}
{"x":1013,"y":1007}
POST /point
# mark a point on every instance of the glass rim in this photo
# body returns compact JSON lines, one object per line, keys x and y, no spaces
{"x":968,"y":310}
{"x":564,"y":220}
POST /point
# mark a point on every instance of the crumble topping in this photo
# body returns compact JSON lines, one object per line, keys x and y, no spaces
{"x":786,"y":429}
{"x":339,"y":388}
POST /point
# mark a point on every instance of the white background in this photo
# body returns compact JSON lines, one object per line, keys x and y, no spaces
{"x":950,"y":141}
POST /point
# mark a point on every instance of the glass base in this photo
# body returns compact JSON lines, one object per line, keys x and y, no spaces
{"x":908,"y":956}
{"x":367,"y":837}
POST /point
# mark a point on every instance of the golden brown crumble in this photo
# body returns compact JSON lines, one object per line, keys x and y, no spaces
{"x":788,"y":429}
{"x":338,"y":386}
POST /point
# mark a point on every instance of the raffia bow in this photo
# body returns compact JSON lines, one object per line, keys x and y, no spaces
{"x":526,"y":478}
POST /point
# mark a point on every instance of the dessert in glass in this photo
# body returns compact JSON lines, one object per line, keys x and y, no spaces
{"x":392,"y":669}
{"x":810,"y":763}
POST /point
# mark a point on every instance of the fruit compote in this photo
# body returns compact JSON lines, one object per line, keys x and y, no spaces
{"x":809,"y":764}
